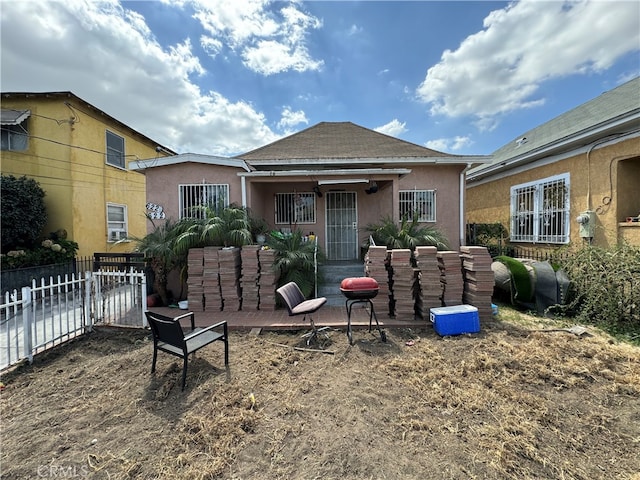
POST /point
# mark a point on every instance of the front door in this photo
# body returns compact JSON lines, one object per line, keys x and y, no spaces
{"x":342,"y":226}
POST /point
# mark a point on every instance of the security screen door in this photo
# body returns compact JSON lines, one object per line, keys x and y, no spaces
{"x":342,"y":226}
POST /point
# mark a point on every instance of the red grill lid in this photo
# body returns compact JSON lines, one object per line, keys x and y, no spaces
{"x":356,"y":284}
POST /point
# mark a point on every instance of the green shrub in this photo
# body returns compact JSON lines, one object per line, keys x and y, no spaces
{"x":605,"y":287}
{"x":22,"y":212}
{"x":51,"y":251}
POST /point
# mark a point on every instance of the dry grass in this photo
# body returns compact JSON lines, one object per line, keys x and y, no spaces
{"x":510,"y":402}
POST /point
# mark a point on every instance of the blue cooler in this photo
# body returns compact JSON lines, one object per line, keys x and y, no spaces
{"x":455,"y":320}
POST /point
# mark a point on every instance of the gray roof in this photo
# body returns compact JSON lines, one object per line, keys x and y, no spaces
{"x":615,"y":111}
{"x":339,"y":140}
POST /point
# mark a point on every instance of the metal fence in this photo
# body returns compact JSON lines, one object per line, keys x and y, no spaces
{"x":50,"y":312}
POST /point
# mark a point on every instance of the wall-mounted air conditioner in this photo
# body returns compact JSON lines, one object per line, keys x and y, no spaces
{"x":116,"y":234}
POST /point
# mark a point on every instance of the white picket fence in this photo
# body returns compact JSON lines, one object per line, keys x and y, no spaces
{"x":52,"y":312}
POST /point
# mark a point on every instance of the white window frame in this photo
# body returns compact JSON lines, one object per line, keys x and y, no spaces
{"x":188,"y":205}
{"x":532,"y":213}
{"x":410,"y":201}
{"x":117,"y":229}
{"x":115,"y":154}
{"x":15,"y":138}
{"x":302,"y":213}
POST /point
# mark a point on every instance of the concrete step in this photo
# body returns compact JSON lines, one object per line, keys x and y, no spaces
{"x":332,"y":275}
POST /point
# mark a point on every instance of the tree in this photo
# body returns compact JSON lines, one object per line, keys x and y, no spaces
{"x":22,"y":212}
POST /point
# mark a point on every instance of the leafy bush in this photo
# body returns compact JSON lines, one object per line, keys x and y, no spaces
{"x":51,"y":251}
{"x":605,"y":287}
{"x":23,"y":212}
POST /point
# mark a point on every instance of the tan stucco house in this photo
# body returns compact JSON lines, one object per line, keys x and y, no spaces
{"x":572,"y":180}
{"x":332,"y":179}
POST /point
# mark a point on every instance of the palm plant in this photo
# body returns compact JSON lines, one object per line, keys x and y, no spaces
{"x":294,"y":260}
{"x":159,"y":249}
{"x":228,"y":227}
{"x":407,"y":234}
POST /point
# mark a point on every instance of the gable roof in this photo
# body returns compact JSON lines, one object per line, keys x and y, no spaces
{"x":614,"y":112}
{"x":339,"y":140}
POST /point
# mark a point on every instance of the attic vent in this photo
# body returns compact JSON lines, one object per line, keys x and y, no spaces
{"x":521,"y":141}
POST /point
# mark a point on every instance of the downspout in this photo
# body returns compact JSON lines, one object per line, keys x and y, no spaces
{"x":243,"y":188}
{"x":463,"y":224}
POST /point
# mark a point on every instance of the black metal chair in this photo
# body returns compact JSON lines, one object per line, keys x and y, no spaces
{"x":169,"y":337}
{"x":297,"y":304}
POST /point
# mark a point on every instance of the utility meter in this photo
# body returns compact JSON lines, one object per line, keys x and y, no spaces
{"x":587,"y":223}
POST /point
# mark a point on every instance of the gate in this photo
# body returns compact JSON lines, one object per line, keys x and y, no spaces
{"x":342,"y":226}
{"x":119,"y":298}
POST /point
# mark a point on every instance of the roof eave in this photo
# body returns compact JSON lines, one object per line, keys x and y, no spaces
{"x":143,"y":165}
{"x":451,"y":160}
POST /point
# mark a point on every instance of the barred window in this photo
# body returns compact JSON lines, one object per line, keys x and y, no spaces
{"x":115,"y":150}
{"x":294,"y":208}
{"x":540,"y":210}
{"x":420,"y":202}
{"x":202,"y":199}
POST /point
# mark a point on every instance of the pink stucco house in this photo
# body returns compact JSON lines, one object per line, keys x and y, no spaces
{"x":332,"y":179}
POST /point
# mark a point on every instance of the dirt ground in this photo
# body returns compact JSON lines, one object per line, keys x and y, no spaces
{"x":510,"y":402}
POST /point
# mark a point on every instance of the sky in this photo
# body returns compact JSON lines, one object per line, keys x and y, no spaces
{"x":222,"y":77}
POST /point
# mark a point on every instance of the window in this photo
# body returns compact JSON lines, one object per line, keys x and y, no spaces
{"x":14,"y":129}
{"x":115,"y":150}
{"x":202,"y":199}
{"x":540,"y":211}
{"x":116,"y":222}
{"x":294,"y":208}
{"x":422,"y":202}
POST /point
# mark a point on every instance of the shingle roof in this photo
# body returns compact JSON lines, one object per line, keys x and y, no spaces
{"x":338,"y":140}
{"x":607,"y":107}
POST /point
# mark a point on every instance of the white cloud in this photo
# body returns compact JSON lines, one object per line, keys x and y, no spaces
{"x":269,"y":40}
{"x":449,"y":144}
{"x":290,"y":119}
{"x":354,"y":30}
{"x":107,"y":56}
{"x":394,"y":128}
{"x":500,"y":68}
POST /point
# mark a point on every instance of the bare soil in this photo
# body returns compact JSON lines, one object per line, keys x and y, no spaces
{"x":511,"y":402}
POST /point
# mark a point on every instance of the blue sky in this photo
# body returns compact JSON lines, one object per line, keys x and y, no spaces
{"x":224,"y":77}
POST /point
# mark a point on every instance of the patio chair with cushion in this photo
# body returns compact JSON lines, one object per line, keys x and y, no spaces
{"x":297,"y":304}
{"x":169,"y":337}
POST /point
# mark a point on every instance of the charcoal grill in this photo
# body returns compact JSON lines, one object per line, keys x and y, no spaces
{"x":360,"y":290}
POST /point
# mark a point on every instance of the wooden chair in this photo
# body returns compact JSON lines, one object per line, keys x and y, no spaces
{"x":169,"y":337}
{"x":297,"y":304}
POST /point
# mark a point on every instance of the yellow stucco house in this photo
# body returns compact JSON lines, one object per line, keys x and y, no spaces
{"x":572,"y":180}
{"x":80,"y":156}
